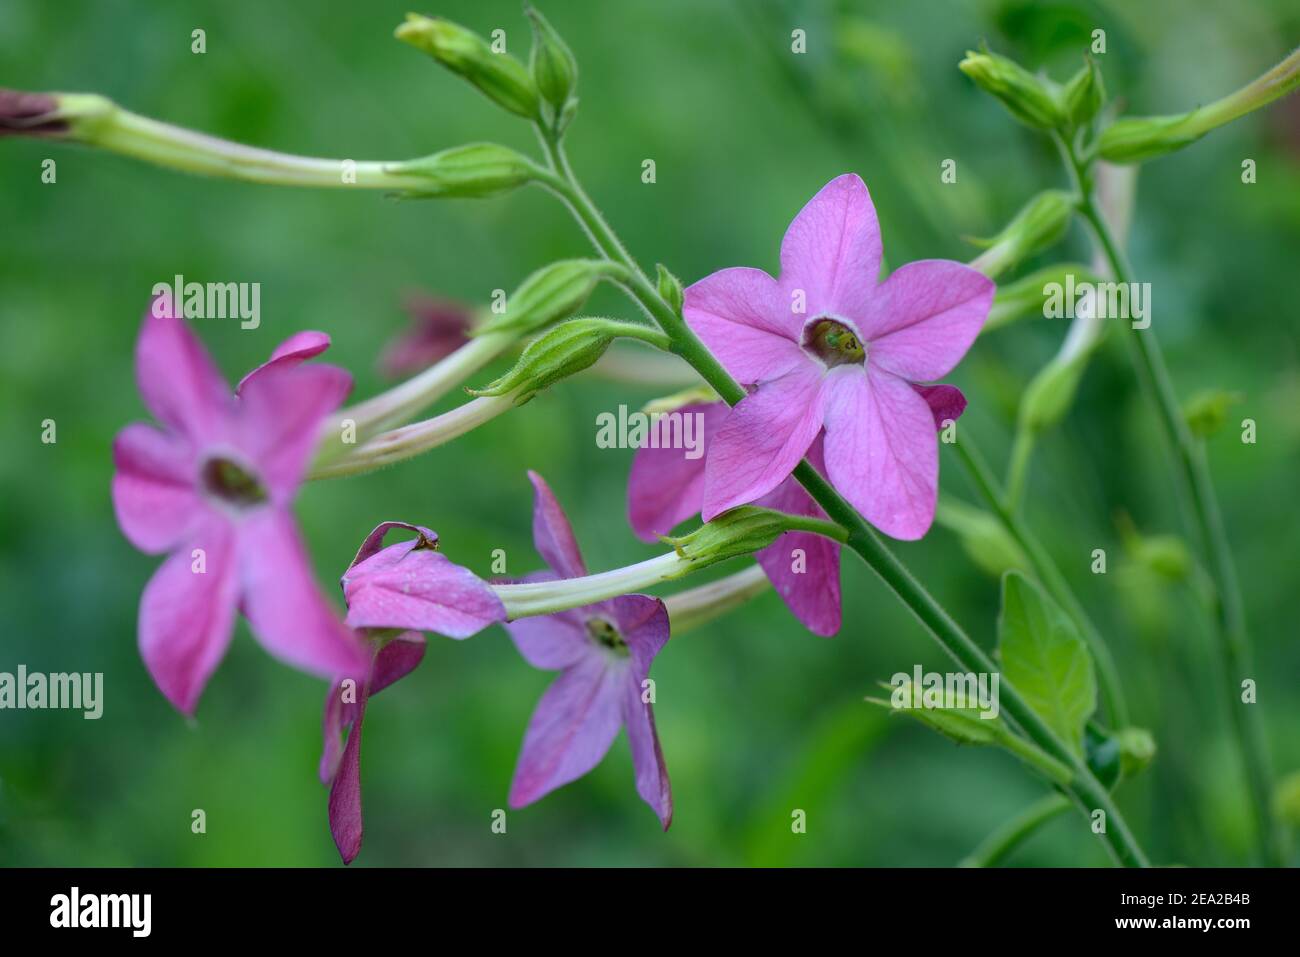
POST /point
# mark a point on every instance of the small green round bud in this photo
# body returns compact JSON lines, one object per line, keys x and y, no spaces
{"x":1033,"y":100}
{"x":554,"y":69}
{"x":498,"y":76}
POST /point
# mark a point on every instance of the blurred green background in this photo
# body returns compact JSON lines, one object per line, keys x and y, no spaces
{"x":757,"y":717}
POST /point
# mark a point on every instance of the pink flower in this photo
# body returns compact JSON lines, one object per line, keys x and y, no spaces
{"x":438,"y":328}
{"x":830,"y":347}
{"x":213,"y":488}
{"x":409,"y":585}
{"x":345,"y":708}
{"x":603,"y":653}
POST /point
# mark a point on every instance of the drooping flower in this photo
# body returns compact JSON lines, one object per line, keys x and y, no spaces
{"x":827,"y":346}
{"x":213,"y":488}
{"x":666,"y":487}
{"x":438,"y":328}
{"x":603,"y":653}
{"x":393,"y":594}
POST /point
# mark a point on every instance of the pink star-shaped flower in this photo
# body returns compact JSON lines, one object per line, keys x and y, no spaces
{"x":830,"y":347}
{"x":213,"y":488}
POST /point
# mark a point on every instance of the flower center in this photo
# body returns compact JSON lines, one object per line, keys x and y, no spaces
{"x":834,"y":343}
{"x":229,"y":482}
{"x":604,"y":633}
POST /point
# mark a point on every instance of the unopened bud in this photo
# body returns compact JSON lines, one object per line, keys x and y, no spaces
{"x":670,"y":289}
{"x":1139,"y":138}
{"x":499,"y":76}
{"x":550,"y":294}
{"x":1051,"y":393}
{"x":1207,"y":412}
{"x":559,"y":353}
{"x":695,"y":395}
{"x":1032,"y":100}
{"x":1028,"y":296}
{"x":738,"y":531}
{"x":1040,"y":223}
{"x":554,"y":69}
{"x":983,"y":538}
{"x":475,"y":170}
{"x":1137,"y":749}
{"x":1083,"y":95}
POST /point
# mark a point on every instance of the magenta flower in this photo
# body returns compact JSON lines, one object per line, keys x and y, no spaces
{"x":213,"y":488}
{"x":830,"y":347}
{"x":603,"y":653}
{"x":345,"y":708}
{"x":438,"y":328}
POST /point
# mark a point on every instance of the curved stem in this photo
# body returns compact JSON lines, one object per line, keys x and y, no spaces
{"x":1085,"y":790}
{"x":697,"y":606}
{"x":1009,"y":836}
{"x":546,"y":598}
{"x":1233,"y":641}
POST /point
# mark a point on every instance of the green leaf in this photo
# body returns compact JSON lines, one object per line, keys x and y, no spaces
{"x":1044,"y":658}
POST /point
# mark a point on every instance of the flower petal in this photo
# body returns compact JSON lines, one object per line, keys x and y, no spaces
{"x":747,"y":322}
{"x":643,"y":623}
{"x":549,"y":642}
{"x":945,"y":401}
{"x":299,"y":347}
{"x":571,"y":729}
{"x":346,"y":825}
{"x":552,"y":533}
{"x":154,"y":495}
{"x":282,"y":409}
{"x":187,"y":613}
{"x":925,"y":316}
{"x":397,"y":659}
{"x":762,"y":439}
{"x":285,"y":608}
{"x":405,"y":586}
{"x":665,"y":487}
{"x":647,"y":757}
{"x":881,"y":451}
{"x":804,"y":568}
{"x":176,"y":377}
{"x":832,"y":250}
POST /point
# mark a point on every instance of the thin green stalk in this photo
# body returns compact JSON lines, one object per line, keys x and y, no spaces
{"x":1085,"y":790}
{"x":1233,"y":641}
{"x":1112,"y":694}
{"x":1009,"y":836}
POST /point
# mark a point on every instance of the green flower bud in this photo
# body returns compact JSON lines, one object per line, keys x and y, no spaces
{"x":1027,"y":296}
{"x":695,"y":395}
{"x":1137,"y":749}
{"x":1032,"y":100}
{"x":737,"y":531}
{"x":475,"y":170}
{"x":499,"y":76}
{"x":1286,"y":798}
{"x":1083,"y":95}
{"x":670,"y":289}
{"x":1139,"y":138}
{"x":550,"y":294}
{"x":983,"y":538}
{"x":1207,"y":412}
{"x":1039,"y":224}
{"x":554,"y":69}
{"x":557,"y":354}
{"x":1051,"y":393}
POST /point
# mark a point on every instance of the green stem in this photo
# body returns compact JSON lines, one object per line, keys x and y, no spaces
{"x":1233,"y":641}
{"x":1009,"y":836}
{"x":1086,"y":791}
{"x":1022,"y":450}
{"x":1112,"y":694}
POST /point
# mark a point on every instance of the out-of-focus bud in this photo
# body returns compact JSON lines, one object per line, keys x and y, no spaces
{"x":1137,"y":749}
{"x":64,"y":115}
{"x":554,"y":69}
{"x":472,"y":171}
{"x":1051,"y":393}
{"x":1166,"y":555}
{"x":1033,"y":100}
{"x":499,"y":76}
{"x":1286,"y":798}
{"x":696,"y":395}
{"x":557,"y":354}
{"x":1027,"y":297}
{"x":1083,"y":95}
{"x":737,"y":531}
{"x":1040,"y":223}
{"x":670,"y":289}
{"x":984,"y":539}
{"x":550,"y":294}
{"x":438,"y":328}
{"x":1207,"y":412}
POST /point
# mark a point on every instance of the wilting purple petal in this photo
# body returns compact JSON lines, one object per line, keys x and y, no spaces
{"x":647,"y":757}
{"x":945,"y":401}
{"x":665,"y":487}
{"x":154,"y":494}
{"x":552,"y":533}
{"x":177,"y":380}
{"x":925,"y":316}
{"x":438,"y":328}
{"x":288,"y":613}
{"x":762,"y":440}
{"x":571,"y":729}
{"x":881,"y":450}
{"x":832,"y":250}
{"x":747,"y":322}
{"x":345,"y":793}
{"x":299,"y":347}
{"x":187,"y":613}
